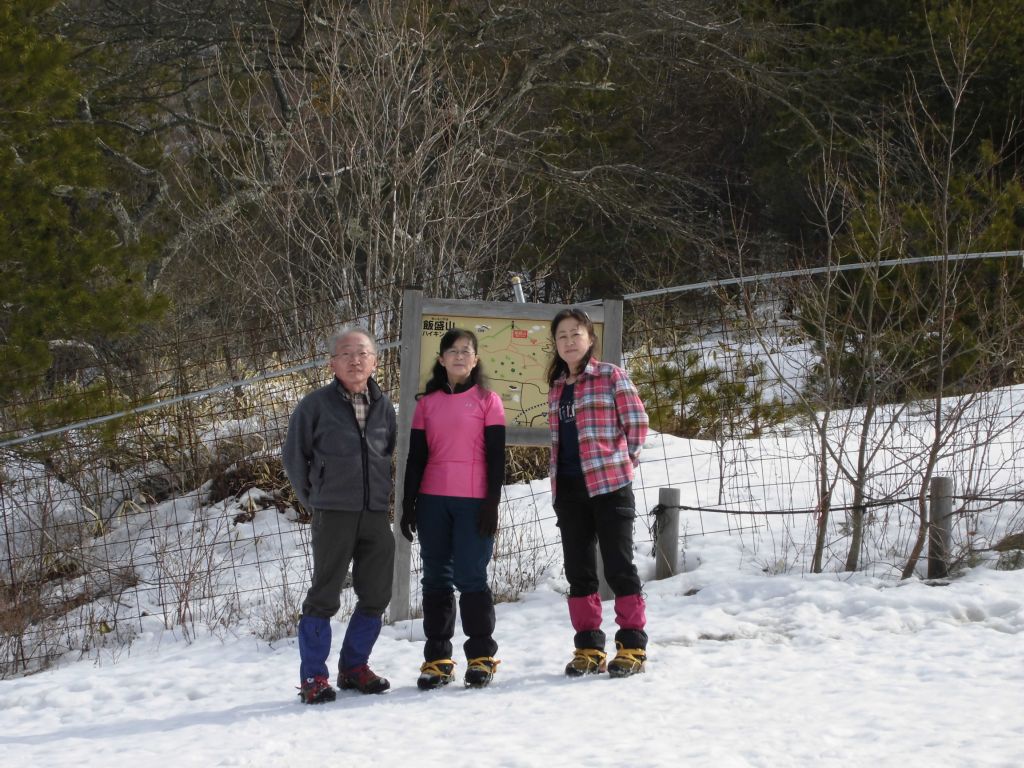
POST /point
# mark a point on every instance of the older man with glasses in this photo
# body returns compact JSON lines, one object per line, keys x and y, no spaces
{"x":338,"y":458}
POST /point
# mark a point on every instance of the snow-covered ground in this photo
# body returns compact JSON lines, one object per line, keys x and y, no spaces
{"x":753,"y":662}
{"x":750,"y":670}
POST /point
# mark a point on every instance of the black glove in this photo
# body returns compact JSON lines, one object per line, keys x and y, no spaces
{"x":488,"y":517}
{"x":408,"y":522}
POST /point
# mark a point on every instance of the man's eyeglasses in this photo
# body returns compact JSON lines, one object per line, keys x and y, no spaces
{"x":361,"y":355}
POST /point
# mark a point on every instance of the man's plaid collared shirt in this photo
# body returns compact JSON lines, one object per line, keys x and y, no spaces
{"x":360,"y":404}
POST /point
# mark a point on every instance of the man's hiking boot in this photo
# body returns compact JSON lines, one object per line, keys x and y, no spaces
{"x":434,"y":674}
{"x":586,"y":661}
{"x":627,"y":661}
{"x":316,"y":690}
{"x":362,"y":679}
{"x":480,"y":671}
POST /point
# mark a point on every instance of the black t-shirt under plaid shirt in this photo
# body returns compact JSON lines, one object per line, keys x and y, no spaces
{"x":568,"y":435}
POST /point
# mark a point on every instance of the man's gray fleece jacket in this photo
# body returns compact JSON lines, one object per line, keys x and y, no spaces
{"x":330,"y":462}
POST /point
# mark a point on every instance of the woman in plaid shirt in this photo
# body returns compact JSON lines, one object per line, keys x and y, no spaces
{"x":598,"y":425}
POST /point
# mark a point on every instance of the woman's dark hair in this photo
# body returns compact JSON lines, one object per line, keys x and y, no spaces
{"x":557,"y":367}
{"x":439,"y":376}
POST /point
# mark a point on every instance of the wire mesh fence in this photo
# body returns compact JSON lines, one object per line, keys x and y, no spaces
{"x":780,"y":422}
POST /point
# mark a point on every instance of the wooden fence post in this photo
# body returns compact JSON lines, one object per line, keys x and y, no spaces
{"x":667,"y":554}
{"x":412,"y":310}
{"x":940,"y":510}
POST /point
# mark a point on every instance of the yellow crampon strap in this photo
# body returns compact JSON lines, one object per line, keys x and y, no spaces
{"x":485,"y":662}
{"x":591,"y":654}
{"x":434,"y":668}
{"x":635,"y":655}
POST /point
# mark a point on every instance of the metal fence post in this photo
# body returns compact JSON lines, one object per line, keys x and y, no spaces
{"x":940,"y":510}
{"x":667,"y":554}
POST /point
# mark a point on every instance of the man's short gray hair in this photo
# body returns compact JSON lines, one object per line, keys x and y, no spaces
{"x":341,"y":333}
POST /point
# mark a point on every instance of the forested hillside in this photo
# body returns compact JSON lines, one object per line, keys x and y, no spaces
{"x":177,"y":170}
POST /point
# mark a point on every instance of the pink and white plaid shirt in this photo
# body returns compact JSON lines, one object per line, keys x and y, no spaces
{"x":612,"y":425}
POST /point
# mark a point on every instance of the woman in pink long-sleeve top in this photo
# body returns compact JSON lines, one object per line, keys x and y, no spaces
{"x":452,"y":486}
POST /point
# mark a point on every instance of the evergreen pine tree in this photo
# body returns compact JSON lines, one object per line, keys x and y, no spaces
{"x":66,"y":270}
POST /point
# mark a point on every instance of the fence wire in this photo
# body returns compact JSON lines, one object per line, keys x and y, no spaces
{"x":175,"y":513}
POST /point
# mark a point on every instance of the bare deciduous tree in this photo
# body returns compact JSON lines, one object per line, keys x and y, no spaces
{"x":358,"y":168}
{"x":894,"y":340}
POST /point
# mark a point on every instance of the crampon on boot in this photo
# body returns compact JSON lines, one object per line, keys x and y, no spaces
{"x":480,"y":671}
{"x":434,"y":674}
{"x":316,"y":690}
{"x":586,"y":661}
{"x":627,"y":661}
